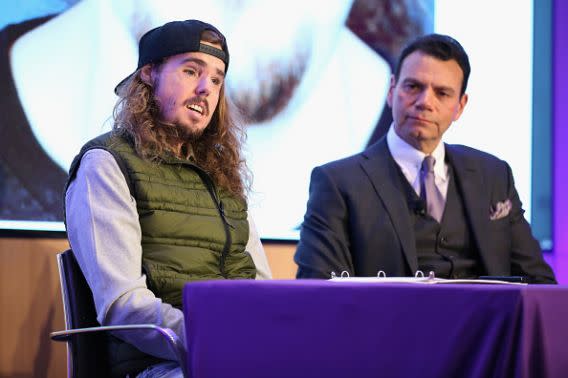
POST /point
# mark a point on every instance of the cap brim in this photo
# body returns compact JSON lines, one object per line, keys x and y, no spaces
{"x":122,"y":82}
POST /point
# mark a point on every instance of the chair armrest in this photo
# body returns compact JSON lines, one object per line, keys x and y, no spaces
{"x":175,"y":344}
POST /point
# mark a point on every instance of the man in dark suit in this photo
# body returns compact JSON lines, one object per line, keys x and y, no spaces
{"x":383,"y":209}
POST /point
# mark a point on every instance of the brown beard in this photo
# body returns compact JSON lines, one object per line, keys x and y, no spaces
{"x":192,"y":136}
{"x":181,"y":142}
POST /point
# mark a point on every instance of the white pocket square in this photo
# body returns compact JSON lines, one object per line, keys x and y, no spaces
{"x":500,"y":210}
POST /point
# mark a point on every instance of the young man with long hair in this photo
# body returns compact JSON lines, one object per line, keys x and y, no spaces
{"x":161,"y":199}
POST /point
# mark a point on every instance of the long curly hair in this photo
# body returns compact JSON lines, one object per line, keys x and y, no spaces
{"x":218,"y":150}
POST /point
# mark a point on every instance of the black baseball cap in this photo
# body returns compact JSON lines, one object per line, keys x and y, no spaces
{"x":177,"y":37}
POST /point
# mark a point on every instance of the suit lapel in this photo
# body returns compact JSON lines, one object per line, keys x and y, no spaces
{"x":469,"y":180}
{"x":382,"y":171}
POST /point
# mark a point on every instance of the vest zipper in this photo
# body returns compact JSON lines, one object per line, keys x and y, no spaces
{"x":219,"y":204}
{"x":228,"y":240}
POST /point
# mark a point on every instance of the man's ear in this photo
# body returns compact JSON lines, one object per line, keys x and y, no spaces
{"x":461,"y":106}
{"x":146,"y":74}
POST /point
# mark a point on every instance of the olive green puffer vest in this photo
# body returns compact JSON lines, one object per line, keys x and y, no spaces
{"x":190,"y":229}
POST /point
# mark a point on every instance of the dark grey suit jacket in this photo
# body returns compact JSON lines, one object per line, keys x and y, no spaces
{"x":358,"y":218}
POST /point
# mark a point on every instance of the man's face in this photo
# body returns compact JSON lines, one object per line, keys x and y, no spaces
{"x":426,"y":99}
{"x":187,"y":88}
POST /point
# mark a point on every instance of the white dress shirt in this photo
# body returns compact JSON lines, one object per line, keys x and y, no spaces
{"x":409,"y":159}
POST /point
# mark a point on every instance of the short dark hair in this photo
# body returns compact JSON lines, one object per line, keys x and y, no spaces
{"x":441,"y":47}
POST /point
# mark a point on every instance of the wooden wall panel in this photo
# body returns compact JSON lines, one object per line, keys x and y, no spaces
{"x":30,"y":304}
{"x":281,"y":260}
{"x":30,"y":308}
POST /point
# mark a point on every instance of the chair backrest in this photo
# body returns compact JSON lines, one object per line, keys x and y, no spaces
{"x":86,"y":353}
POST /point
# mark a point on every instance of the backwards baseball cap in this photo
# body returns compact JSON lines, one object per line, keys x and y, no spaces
{"x":177,"y":37}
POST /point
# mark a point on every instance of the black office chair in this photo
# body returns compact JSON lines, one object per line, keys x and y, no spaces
{"x":87,"y":341}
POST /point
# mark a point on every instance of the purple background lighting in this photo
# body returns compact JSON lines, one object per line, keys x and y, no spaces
{"x":559,"y":259}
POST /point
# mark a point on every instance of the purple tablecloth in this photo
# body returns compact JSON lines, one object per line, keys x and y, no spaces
{"x":313,"y":328}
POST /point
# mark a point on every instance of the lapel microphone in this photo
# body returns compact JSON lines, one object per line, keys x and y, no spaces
{"x":418,"y":206}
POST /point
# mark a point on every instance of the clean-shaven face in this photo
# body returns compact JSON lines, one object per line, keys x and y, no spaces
{"x":426,"y":99}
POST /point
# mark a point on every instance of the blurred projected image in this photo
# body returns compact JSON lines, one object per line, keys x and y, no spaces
{"x":310,"y":77}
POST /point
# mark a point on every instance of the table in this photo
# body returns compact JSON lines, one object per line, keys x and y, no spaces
{"x":317,"y":328}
